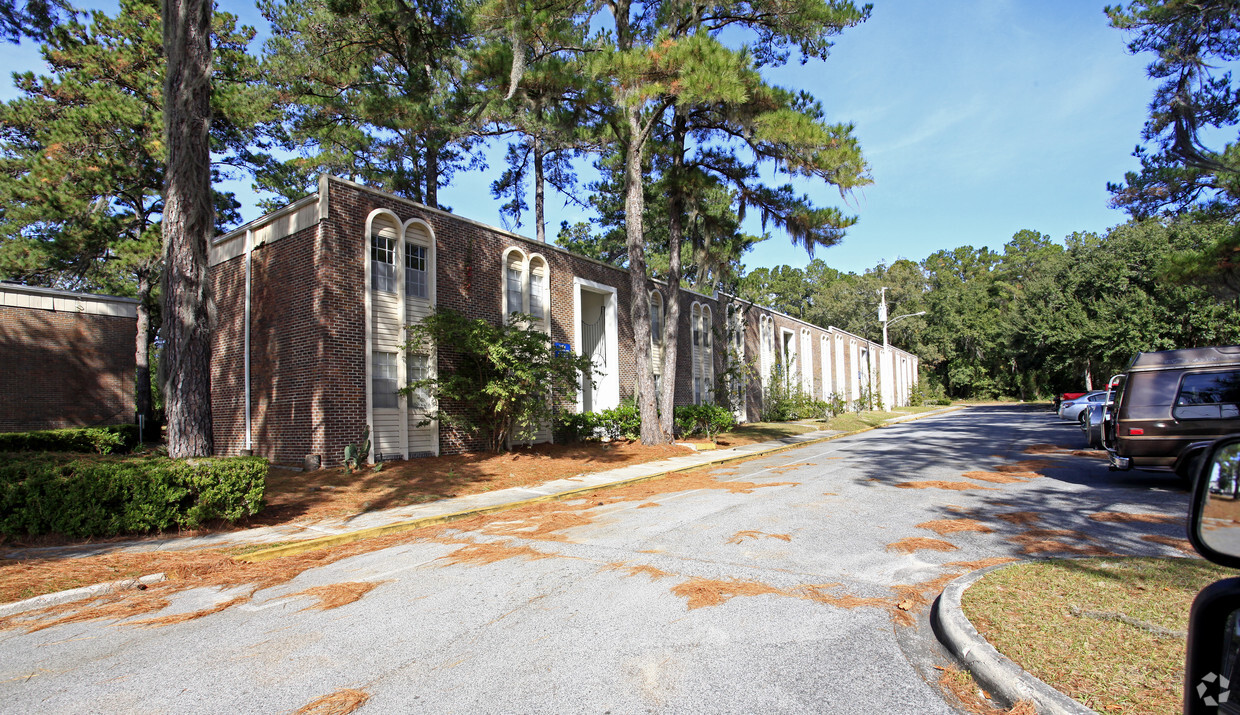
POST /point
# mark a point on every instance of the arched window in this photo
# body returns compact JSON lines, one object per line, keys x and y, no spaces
{"x":527,"y":286}
{"x":700,"y":321}
{"x":514,"y":281}
{"x":656,"y":317}
{"x":539,"y":293}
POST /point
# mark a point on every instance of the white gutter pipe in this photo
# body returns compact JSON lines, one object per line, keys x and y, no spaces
{"x":249,"y":248}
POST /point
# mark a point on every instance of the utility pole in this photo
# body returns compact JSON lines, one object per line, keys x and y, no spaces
{"x":882,"y":314}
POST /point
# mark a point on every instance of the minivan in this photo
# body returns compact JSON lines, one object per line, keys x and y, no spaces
{"x":1170,"y":405}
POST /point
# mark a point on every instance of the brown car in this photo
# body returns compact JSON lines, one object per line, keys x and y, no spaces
{"x":1170,"y":405}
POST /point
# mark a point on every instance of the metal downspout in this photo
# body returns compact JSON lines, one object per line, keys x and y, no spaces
{"x":249,"y":248}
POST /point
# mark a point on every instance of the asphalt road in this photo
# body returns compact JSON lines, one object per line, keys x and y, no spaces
{"x":783,"y":597}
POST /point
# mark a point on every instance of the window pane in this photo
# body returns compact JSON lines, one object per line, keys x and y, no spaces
{"x":1211,"y":389}
{"x":383,"y":380}
{"x":415,"y":271}
{"x":382,"y":263}
{"x":538,"y":294}
{"x":515,"y":302}
{"x":419,"y":399}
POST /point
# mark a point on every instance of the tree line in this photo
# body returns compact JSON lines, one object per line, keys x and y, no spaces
{"x":1036,"y":318}
{"x":667,"y":100}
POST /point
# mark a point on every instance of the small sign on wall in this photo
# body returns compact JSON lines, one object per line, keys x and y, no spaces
{"x":562,"y":348}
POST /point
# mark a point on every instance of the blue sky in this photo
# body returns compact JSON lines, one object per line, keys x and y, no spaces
{"x":978,"y":118}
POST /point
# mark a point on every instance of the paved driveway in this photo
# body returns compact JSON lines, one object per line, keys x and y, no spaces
{"x":798,"y":582}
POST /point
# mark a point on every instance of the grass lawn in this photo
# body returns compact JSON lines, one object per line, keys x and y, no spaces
{"x":1108,"y":632}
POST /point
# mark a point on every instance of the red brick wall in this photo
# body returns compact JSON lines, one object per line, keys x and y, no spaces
{"x":308,"y":392}
{"x":65,"y":369}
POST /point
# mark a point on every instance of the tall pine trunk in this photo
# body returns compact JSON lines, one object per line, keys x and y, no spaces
{"x":142,"y":351}
{"x":188,"y":223}
{"x":540,"y":222}
{"x":671,"y":299}
{"x":639,"y":307}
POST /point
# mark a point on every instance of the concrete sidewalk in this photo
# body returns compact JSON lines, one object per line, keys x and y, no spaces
{"x":298,"y":537}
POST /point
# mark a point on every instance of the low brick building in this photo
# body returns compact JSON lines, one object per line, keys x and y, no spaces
{"x":66,"y":359}
{"x":312,"y":301}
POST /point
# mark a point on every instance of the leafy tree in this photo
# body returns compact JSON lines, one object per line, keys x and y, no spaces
{"x":82,"y":158}
{"x":503,"y":381}
{"x":652,"y":66}
{"x":375,"y":90}
{"x":32,"y":18}
{"x":542,"y":100}
{"x":1195,"y":44}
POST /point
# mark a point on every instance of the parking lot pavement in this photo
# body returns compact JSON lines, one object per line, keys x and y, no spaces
{"x":796,"y":582}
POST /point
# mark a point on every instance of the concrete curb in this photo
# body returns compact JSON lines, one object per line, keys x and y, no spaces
{"x":321,"y":542}
{"x":989,"y":668}
{"x":78,"y":594}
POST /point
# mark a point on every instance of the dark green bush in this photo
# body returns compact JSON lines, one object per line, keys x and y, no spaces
{"x":573,"y":427}
{"x":621,"y":422}
{"x":97,"y":440}
{"x":706,"y":420}
{"x":107,"y":496}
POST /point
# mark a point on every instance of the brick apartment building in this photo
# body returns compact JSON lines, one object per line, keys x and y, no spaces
{"x":312,"y":302}
{"x":66,"y":359}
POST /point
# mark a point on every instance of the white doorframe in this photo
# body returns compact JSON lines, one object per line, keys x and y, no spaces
{"x":607,"y":394}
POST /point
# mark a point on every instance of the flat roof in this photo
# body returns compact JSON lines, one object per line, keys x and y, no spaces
{"x":1189,"y":357}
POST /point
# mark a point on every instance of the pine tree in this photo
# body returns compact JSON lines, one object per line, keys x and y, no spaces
{"x":82,"y":155}
{"x":375,"y":91}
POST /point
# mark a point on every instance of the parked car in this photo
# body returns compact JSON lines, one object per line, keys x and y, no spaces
{"x":1071,"y":410}
{"x":1170,"y":406}
{"x":1061,"y":397}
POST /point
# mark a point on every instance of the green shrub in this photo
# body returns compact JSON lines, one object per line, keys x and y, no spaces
{"x":707,"y":420}
{"x":97,"y":440}
{"x":784,"y":400}
{"x":621,"y":422}
{"x":87,"y":497}
{"x":573,"y":427}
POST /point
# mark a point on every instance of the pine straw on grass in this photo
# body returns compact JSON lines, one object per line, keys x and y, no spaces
{"x":980,"y":563}
{"x":341,"y":702}
{"x":972,"y":698}
{"x":1027,"y":612}
{"x":920,"y":543}
{"x":938,"y":484}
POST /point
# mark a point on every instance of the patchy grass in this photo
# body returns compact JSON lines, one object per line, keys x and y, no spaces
{"x":853,"y":421}
{"x":1105,"y":631}
{"x":754,"y":432}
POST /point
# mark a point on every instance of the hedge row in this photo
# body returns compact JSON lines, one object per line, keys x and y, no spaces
{"x":97,"y":440}
{"x":105,"y":496}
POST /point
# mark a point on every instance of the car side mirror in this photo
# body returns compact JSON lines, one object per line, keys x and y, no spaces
{"x":1214,"y":521}
{"x":1212,"y":657}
